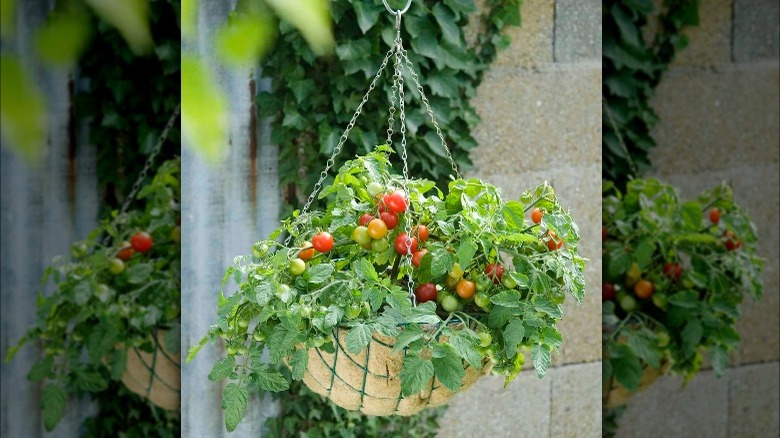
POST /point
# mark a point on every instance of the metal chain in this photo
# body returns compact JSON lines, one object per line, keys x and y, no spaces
{"x":427,"y":104}
{"x":337,"y":150}
{"x":404,"y":159}
{"x":150,"y":160}
{"x":619,"y":135}
{"x":390,"y":118}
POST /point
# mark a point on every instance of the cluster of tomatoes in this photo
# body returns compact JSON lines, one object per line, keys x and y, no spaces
{"x":643,"y":288}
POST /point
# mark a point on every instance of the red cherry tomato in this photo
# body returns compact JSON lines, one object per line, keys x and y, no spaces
{"x":643,"y":289}
{"x":494,"y":272}
{"x":607,"y":292}
{"x":126,"y":251}
{"x":365,"y":219}
{"x":417,"y":257}
{"x":554,"y":242}
{"x":141,"y":241}
{"x":307,"y":252}
{"x":322,"y":242}
{"x":715,"y":216}
{"x":422,"y":232}
{"x":402,"y":241}
{"x":732,"y":242}
{"x":673,"y":271}
{"x":380,"y":203}
{"x":536,"y":215}
{"x":465,"y":288}
{"x":396,"y":201}
{"x":390,"y":218}
{"x":425,"y":292}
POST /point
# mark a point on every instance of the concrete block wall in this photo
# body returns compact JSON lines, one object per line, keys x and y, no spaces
{"x":718,"y":107}
{"x":540,"y":106}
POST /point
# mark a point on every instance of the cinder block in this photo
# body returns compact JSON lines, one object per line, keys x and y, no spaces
{"x":666,"y":409}
{"x":490,"y":410}
{"x":710,"y":41}
{"x":754,"y":404}
{"x":576,"y":401}
{"x":532,"y":43}
{"x":577,"y":30}
{"x":756,"y":30}
{"x":759,"y":326}
{"x":716,"y":120}
{"x":538,"y":120}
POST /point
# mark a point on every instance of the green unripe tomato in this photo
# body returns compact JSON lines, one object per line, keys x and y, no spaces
{"x":243,"y":323}
{"x":483,"y":283}
{"x":380,"y":245}
{"x":482,"y":299}
{"x":365,"y":309}
{"x":663,"y":339}
{"x":78,"y":337}
{"x":306,"y":312}
{"x":485,"y":339}
{"x":450,"y":303}
{"x":116,"y":266}
{"x":360,"y":235}
{"x":242,"y":350}
{"x":508,"y":282}
{"x":223,"y":334}
{"x":259,"y":249}
{"x":61,"y":323}
{"x":259,"y":337}
{"x":374,"y":188}
{"x":78,"y":250}
{"x":628,"y":303}
{"x":297,"y":266}
{"x":353,"y":311}
{"x":660,"y":300}
{"x":688,"y":283}
{"x":231,"y":349}
{"x":102,"y":292}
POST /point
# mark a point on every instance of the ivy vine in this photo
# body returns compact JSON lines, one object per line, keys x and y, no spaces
{"x":632,"y":69}
{"x":312,"y":99}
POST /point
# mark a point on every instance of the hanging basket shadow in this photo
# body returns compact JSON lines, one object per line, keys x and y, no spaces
{"x":369,"y":381}
{"x":155,"y":376}
{"x":614,"y":394}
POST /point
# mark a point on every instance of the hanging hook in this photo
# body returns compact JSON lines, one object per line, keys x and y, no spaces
{"x":399,"y":12}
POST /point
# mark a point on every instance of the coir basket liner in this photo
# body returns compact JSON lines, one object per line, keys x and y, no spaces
{"x":369,"y":381}
{"x":614,"y":394}
{"x":155,"y":376}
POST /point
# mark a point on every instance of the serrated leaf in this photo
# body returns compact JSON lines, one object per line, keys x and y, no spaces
{"x":466,"y":251}
{"x":298,"y":363}
{"x":644,"y":343}
{"x":282,"y":341}
{"x":53,"y":400}
{"x":364,"y":270}
{"x":416,"y":373}
{"x":514,"y":215}
{"x":513,"y":336}
{"x":691,"y":336}
{"x":448,"y":367}
{"x":507,"y":298}
{"x":626,"y":366}
{"x":719,"y":358}
{"x":465,"y":345}
{"x":270,"y":380}
{"x":545,"y":305}
{"x":409,"y":334}
{"x":234,"y":402}
{"x":264,"y":291}
{"x":541,"y":358}
{"x":222,"y":369}
{"x":118,"y":363}
{"x":41,"y":369}
{"x":358,"y":337}
{"x":320,"y":273}
{"x":139,"y":273}
{"x":90,"y":381}
{"x":441,"y":263}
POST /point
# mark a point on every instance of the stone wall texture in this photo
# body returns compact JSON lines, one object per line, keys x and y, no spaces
{"x":540,"y":106}
{"x":718,"y":107}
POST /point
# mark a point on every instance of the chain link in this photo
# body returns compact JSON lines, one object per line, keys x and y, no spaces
{"x":427,"y":104}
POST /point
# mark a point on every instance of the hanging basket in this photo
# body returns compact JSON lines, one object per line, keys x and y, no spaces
{"x":369,"y":381}
{"x":156,"y":376}
{"x":614,"y":394}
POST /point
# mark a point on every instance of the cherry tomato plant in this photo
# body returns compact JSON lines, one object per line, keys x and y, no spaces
{"x":109,"y":297}
{"x":454,"y":237}
{"x":673,"y":283}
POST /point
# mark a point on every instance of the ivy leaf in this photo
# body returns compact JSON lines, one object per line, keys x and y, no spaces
{"x":301,"y":89}
{"x":507,"y":298}
{"x":270,"y":380}
{"x":358,"y":337}
{"x":234,"y":402}
{"x":541,"y":356}
{"x":320,"y":273}
{"x":448,"y":23}
{"x":353,"y":49}
{"x":415,"y":374}
{"x":298,"y":362}
{"x":513,"y":336}
{"x":41,"y":369}
{"x":222,"y":369}
{"x":367,"y":15}
{"x":53,"y":400}
{"x":448,"y":367}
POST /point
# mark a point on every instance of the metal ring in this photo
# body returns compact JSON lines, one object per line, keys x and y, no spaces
{"x":400,"y":11}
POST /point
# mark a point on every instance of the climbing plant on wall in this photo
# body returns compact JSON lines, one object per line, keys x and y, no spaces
{"x":311,"y":98}
{"x":632,"y":67}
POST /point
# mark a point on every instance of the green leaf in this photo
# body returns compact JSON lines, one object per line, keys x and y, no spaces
{"x":691,"y":215}
{"x":234,"y":402}
{"x":643,"y":254}
{"x":264,"y":291}
{"x":541,"y":356}
{"x":507,"y":298}
{"x":409,"y":334}
{"x":90,"y":381}
{"x":415,"y":375}
{"x":513,"y":336}
{"x":82,"y":292}
{"x":298,"y":362}
{"x":448,"y":23}
{"x":367,"y":15}
{"x":441,"y":263}
{"x":465,"y":345}
{"x":353,"y":49}
{"x":545,"y":305}
{"x":645,"y":346}
{"x":691,"y":336}
{"x":320,"y":273}
{"x":222,"y":369}
{"x":358,"y":337}
{"x":117,"y":364}
{"x":301,"y":89}
{"x":195,"y":349}
{"x":687,"y":299}
{"x":466,"y":251}
{"x":719,"y":358}
{"x":626,"y":366}
{"x":139,"y":273}
{"x":53,"y":400}
{"x":41,"y":369}
{"x":514,"y":215}
{"x":282,"y":341}
{"x":448,"y":367}
{"x":270,"y":380}
{"x":364,"y":269}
